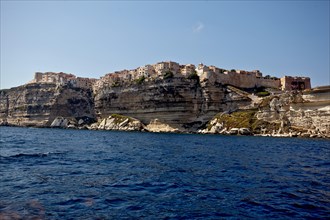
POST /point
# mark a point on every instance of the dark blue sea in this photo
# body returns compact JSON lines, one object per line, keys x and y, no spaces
{"x":81,"y":174}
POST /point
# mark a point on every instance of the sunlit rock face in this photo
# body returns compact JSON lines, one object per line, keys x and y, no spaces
{"x":185,"y":104}
{"x":308,"y":112}
{"x":177,"y":104}
{"x":313,"y":113}
{"x":180,"y":102}
{"x":38,"y":104}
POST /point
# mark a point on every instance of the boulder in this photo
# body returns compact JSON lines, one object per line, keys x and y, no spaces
{"x":234,"y":131}
{"x":119,"y":122}
{"x":59,"y":122}
{"x":244,"y":131}
{"x":124,"y":123}
{"x":81,"y":121}
{"x":102,"y":124}
{"x":71,"y":126}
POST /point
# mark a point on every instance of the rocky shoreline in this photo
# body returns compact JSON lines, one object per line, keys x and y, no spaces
{"x":175,"y":105}
{"x":233,"y":132}
{"x":117,"y":122}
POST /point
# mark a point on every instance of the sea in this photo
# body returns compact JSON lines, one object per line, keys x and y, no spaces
{"x":81,"y":174}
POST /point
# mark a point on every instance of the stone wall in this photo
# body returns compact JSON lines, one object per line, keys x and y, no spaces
{"x":240,"y":80}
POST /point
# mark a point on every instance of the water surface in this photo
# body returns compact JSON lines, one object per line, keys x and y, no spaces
{"x":80,"y":174}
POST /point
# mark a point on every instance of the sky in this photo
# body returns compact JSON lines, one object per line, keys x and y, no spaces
{"x":93,"y":38}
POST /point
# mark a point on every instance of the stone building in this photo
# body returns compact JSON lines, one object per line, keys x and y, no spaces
{"x":202,"y":69}
{"x":146,"y":71}
{"x":81,"y":82}
{"x":51,"y":77}
{"x":295,"y":83}
{"x":212,"y":74}
{"x":63,"y":79}
{"x":162,"y":67}
{"x":216,"y":69}
{"x":188,"y":69}
{"x":124,"y":75}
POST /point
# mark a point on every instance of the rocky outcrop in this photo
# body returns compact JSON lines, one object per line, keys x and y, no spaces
{"x":39,"y":104}
{"x":59,"y":122}
{"x":289,"y":114}
{"x":157,"y":126}
{"x":299,"y":115}
{"x":70,"y":122}
{"x":119,"y":123}
{"x":241,"y":122}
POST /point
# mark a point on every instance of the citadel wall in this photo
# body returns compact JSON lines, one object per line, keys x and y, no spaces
{"x":241,"y":80}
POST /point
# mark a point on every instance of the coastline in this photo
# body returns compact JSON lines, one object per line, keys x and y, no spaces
{"x":289,"y":135}
{"x":173,"y":104}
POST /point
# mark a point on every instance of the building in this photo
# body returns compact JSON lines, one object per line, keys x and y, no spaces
{"x":162,"y":67}
{"x":216,"y":70}
{"x":146,"y":71}
{"x":188,"y":69}
{"x":290,"y":83}
{"x":212,"y":74}
{"x":63,"y":79}
{"x":201,"y":69}
{"x":82,"y":82}
{"x":257,"y":73}
{"x":51,"y":77}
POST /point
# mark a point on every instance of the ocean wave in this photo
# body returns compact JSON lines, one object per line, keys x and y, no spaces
{"x":30,"y":155}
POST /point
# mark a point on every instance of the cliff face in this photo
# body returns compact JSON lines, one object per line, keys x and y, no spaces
{"x":173,"y":104}
{"x":287,"y":114}
{"x":180,"y":102}
{"x":307,"y":113}
{"x":38,"y":104}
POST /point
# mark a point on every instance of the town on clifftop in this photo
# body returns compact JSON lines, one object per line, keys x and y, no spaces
{"x":170,"y":69}
{"x":169,"y":97}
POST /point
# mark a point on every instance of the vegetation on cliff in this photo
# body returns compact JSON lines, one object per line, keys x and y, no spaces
{"x":242,"y":119}
{"x":193,"y":76}
{"x":140,"y":80}
{"x":168,"y":74}
{"x":120,"y":118}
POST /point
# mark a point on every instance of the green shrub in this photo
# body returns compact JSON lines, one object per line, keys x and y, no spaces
{"x":120,"y":118}
{"x":168,"y":75}
{"x":263,"y":94}
{"x":115,"y":84}
{"x":193,"y":76}
{"x":140,"y":80}
{"x":240,"y":119}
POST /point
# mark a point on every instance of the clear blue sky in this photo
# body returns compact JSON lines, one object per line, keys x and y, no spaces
{"x":90,"y":39}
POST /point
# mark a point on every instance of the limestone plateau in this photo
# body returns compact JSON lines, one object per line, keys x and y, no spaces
{"x":169,"y":97}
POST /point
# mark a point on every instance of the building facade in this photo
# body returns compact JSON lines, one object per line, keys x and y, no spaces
{"x":290,"y":83}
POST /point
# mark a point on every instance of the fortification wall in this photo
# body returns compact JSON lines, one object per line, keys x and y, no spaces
{"x":240,"y":80}
{"x":269,"y":83}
